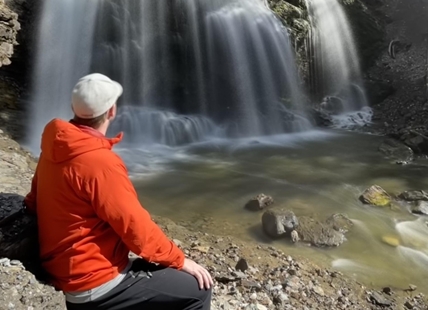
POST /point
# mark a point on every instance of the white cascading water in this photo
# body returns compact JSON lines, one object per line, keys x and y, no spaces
{"x":190,"y":69}
{"x":63,"y":56}
{"x":414,"y":235}
{"x":336,"y":74}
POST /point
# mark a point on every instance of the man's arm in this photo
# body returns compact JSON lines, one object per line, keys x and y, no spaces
{"x":115,"y":201}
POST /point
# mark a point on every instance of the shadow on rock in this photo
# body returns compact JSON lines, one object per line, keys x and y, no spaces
{"x":19,"y":235}
{"x":256,"y":232}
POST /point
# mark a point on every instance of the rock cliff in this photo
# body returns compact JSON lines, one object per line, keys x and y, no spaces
{"x":9,"y":27}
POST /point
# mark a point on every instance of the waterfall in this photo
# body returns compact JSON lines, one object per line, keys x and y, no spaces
{"x":63,"y":55}
{"x":191,"y":69}
{"x":335,"y":69}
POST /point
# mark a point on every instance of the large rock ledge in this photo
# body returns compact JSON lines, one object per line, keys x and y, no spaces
{"x":247,"y":276}
{"x":9,"y":27}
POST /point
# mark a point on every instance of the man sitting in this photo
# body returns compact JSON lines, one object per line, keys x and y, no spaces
{"x":89,"y":218}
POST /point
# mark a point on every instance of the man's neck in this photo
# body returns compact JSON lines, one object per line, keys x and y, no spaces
{"x":101,"y":131}
{"x":103,"y":128}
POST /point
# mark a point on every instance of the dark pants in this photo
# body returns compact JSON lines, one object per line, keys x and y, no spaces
{"x":166,"y":289}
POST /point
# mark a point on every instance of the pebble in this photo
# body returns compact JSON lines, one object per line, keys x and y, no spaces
{"x":391,"y":241}
{"x":242,"y":265}
{"x":318,"y":290}
{"x":379,"y":300}
{"x":413,"y":287}
{"x":177,"y":242}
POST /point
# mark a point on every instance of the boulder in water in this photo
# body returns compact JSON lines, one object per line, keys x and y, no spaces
{"x":376,"y":196}
{"x":414,"y":195}
{"x":279,"y":222}
{"x":259,"y":202}
{"x":417,"y":140}
{"x":391,"y":241}
{"x":340,"y":222}
{"x":321,"y":118}
{"x":397,"y":150}
{"x":332,"y":104}
{"x":420,"y":208}
{"x":319,"y":234}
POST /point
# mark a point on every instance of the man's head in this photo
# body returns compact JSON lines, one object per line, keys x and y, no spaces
{"x":94,"y":100}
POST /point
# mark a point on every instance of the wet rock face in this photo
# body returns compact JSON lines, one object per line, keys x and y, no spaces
{"x":320,"y":117}
{"x":9,"y":27}
{"x":414,"y":195}
{"x":376,"y":196}
{"x":420,"y":208}
{"x":396,"y":150}
{"x":415,"y":138}
{"x":279,"y":222}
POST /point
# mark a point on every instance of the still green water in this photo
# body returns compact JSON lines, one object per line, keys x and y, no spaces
{"x":205,"y":187}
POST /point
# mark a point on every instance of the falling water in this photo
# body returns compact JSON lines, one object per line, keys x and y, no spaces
{"x":190,"y":69}
{"x":64,"y":55}
{"x":335,"y":71}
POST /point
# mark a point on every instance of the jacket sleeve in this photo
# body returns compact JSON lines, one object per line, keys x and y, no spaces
{"x":115,"y":201}
{"x":30,"y":201}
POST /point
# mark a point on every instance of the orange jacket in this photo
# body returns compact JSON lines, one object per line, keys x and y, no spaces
{"x":88,"y":212}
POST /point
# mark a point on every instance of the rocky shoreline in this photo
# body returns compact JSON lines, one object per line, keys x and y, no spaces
{"x":248,"y":276}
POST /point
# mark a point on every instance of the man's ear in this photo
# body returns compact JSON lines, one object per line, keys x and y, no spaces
{"x":111,"y":114}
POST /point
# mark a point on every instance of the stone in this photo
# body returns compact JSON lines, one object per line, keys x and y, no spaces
{"x":250,"y":284}
{"x":239,"y":275}
{"x":259,"y":202}
{"x":318,"y":233}
{"x":203,"y":249}
{"x":318,"y":290}
{"x":414,"y":195}
{"x":177,"y":242}
{"x":391,"y":240}
{"x":261,"y":307}
{"x":375,"y":196}
{"x":242,"y":265}
{"x":417,"y":141}
{"x":420,"y":208}
{"x":321,"y":118}
{"x":332,"y":104}
{"x":225,"y":279}
{"x":387,"y":290}
{"x":278,"y":222}
{"x":340,"y":222}
{"x":295,"y":236}
{"x":293,"y":283}
{"x":377,"y":299}
{"x":396,"y":150}
{"x":412,"y":287}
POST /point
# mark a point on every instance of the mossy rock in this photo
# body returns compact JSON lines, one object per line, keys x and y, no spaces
{"x":376,"y":196}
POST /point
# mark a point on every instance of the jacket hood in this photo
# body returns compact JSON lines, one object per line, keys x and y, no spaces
{"x":62,"y":141}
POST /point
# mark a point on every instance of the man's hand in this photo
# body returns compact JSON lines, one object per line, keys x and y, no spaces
{"x":199,"y":272}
